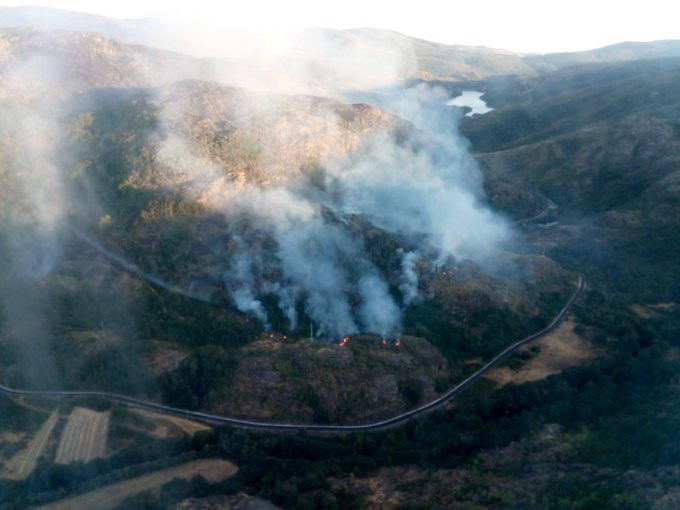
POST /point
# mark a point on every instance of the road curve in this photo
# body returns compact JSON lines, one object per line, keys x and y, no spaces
{"x":394,"y":420}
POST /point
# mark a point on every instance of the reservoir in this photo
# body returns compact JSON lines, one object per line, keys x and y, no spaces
{"x":472,"y":99}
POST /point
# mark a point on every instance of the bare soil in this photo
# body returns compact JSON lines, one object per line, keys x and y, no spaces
{"x":558,"y":350}
{"x":167,"y":426}
{"x":110,"y":496}
{"x":11,"y":437}
{"x":644,"y":312}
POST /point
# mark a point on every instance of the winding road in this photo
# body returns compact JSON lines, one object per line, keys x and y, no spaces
{"x":394,"y":420}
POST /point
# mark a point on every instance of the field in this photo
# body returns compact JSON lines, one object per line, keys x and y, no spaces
{"x":84,"y":437}
{"x":558,"y":350}
{"x":21,"y":465}
{"x":110,"y":496}
{"x":165,"y":424}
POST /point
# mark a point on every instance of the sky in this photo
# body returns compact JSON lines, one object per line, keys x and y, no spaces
{"x":517,"y":25}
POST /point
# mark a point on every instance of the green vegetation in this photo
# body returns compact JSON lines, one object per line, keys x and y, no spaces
{"x":618,"y":395}
{"x":200,"y":379}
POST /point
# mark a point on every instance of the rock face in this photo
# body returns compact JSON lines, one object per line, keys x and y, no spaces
{"x":318,"y":381}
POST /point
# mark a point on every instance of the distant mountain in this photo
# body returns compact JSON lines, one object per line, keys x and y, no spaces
{"x":130,"y":31}
{"x":37,"y":63}
{"x":614,"y":53}
{"x":324,"y":49}
{"x":436,"y":60}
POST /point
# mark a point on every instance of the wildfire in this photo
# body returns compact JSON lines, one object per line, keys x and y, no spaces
{"x":343,"y":341}
{"x":397,"y":343}
{"x":384,"y":341}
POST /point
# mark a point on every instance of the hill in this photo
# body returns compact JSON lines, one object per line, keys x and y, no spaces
{"x":182,"y":239}
{"x":602,"y":141}
{"x":393,"y":56}
{"x":624,"y":51}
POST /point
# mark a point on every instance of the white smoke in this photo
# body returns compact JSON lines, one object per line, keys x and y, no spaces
{"x":34,"y":200}
{"x":300,"y":243}
{"x":297,"y":235}
{"x":408,"y":284}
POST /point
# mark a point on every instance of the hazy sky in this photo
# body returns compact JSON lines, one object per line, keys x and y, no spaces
{"x":519,"y":25}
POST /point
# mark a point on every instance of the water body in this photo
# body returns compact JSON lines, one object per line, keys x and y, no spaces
{"x":473,"y":100}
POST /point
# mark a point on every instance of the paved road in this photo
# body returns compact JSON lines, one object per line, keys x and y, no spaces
{"x":400,"y":418}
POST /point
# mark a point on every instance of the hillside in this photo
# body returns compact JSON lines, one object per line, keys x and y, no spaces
{"x":50,"y":65}
{"x":603,"y":143}
{"x":186,"y":183}
{"x":621,"y":52}
{"x":270,"y":254}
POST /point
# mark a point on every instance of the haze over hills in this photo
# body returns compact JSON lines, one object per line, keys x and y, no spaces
{"x":314,"y":236}
{"x":328,"y":48}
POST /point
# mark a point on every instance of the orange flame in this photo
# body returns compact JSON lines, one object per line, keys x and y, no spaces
{"x":343,"y":341}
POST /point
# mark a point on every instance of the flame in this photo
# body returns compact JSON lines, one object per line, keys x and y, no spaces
{"x":343,"y":341}
{"x":384,"y":341}
{"x":397,"y":343}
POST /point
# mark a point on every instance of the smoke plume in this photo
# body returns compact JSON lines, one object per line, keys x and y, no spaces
{"x":296,"y":237}
{"x":33,"y":209}
{"x":295,"y":233}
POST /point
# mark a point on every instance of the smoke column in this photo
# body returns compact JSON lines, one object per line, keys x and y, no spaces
{"x":296,"y":237}
{"x":423,"y":187}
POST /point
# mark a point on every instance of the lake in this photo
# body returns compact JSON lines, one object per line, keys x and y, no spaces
{"x":472,"y":99}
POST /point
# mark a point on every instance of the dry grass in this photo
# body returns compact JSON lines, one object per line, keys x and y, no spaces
{"x":559,"y":350}
{"x":673,"y":354}
{"x":166,"y":357}
{"x":644,"y":312}
{"x":663,"y":307}
{"x":84,"y":437}
{"x":11,"y":437}
{"x":652,"y":311}
{"x":167,"y":425}
{"x":23,"y":463}
{"x":110,"y":496}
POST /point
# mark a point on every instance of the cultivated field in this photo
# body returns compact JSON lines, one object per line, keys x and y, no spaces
{"x":84,"y":437}
{"x":21,"y":465}
{"x":110,"y":496}
{"x":560,"y":349}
